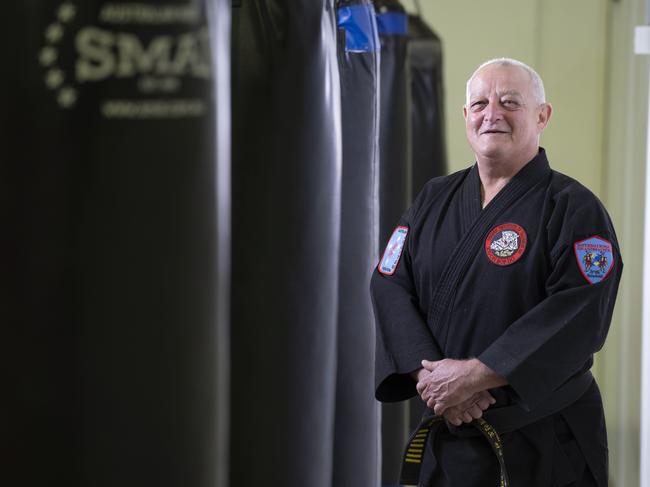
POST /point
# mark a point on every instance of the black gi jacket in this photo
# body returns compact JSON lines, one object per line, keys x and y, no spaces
{"x":534,"y":315}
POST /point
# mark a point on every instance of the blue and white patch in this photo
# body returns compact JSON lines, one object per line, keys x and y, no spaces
{"x":595,"y":258}
{"x":393,"y":252}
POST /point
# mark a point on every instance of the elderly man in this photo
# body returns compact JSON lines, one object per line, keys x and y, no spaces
{"x":496,"y":289}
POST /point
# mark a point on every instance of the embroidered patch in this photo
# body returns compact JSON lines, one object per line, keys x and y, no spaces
{"x":393,"y":252}
{"x":505,"y":244}
{"x":595,"y":258}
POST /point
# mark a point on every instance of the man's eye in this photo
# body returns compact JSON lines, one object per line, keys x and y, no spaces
{"x":477,"y":105}
{"x":510,"y":103}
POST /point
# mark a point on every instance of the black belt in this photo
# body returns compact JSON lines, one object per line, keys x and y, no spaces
{"x":493,"y":422}
{"x":412,"y":460}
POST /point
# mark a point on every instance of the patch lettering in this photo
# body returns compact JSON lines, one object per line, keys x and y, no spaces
{"x":505,"y":244}
{"x":595,"y":258}
{"x":393,"y":252}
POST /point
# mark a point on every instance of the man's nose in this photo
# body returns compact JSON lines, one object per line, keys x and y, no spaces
{"x":492,"y":112}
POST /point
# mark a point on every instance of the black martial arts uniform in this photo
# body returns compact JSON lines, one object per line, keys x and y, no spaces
{"x":527,"y":285}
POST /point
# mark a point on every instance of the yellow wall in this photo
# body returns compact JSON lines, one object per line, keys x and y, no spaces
{"x":623,"y":175}
{"x":571,"y":61}
{"x":584,"y":52}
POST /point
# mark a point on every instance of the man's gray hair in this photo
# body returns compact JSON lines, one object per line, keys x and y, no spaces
{"x":536,"y":80}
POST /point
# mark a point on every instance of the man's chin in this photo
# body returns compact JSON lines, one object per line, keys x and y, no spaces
{"x":490,"y":151}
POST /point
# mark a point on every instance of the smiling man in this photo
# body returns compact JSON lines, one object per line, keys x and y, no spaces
{"x":489,"y":305}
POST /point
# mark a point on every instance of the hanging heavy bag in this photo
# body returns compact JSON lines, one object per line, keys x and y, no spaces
{"x":116,"y":237}
{"x":356,"y":431}
{"x":394,"y":183}
{"x":286,"y":224}
{"x":428,"y":148}
{"x":428,"y":156}
{"x":394,"y":138}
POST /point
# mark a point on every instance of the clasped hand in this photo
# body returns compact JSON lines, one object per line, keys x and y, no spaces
{"x":451,"y":388}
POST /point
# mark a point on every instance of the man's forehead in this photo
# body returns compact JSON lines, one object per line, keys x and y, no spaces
{"x":500,"y":92}
{"x":505,"y":80}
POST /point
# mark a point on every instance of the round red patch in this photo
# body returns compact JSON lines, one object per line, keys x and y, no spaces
{"x":505,"y":244}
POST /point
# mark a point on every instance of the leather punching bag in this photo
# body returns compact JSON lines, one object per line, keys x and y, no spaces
{"x":115,"y":242}
{"x":428,"y":148}
{"x":394,"y":185}
{"x":429,"y":155}
{"x":286,"y":188}
{"x":394,"y":135}
{"x":356,"y":433}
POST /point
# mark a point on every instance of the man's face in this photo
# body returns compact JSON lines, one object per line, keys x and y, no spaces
{"x":502,"y":119}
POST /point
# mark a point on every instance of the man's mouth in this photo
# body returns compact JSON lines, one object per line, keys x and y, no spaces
{"x":494,"y":132}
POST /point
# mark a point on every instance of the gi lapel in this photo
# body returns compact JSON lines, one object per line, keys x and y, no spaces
{"x":471,"y":242}
{"x":470,"y":200}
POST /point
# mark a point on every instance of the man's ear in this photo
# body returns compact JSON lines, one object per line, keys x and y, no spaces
{"x":544,"y":115}
{"x":465,"y":112}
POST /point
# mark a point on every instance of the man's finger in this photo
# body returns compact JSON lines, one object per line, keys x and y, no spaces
{"x":453,"y":415}
{"x":484,"y":400}
{"x":439,"y":408}
{"x":427,"y":364}
{"x":475,"y":412}
{"x":425,"y":394}
{"x":455,"y":420}
{"x":488,"y":396}
{"x":468,"y":403}
{"x":483,"y":403}
{"x":431,"y":404}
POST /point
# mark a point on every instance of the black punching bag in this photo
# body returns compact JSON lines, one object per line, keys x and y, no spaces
{"x":356,"y":433}
{"x":114,"y":146}
{"x":428,"y":149}
{"x":286,"y":184}
{"x":394,"y":185}
{"x":394,"y":135}
{"x":429,"y":156}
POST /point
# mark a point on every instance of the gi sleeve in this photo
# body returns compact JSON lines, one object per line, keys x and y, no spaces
{"x":403,"y":337}
{"x":556,"y":339}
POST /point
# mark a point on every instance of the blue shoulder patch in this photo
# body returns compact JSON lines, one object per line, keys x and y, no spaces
{"x":393,"y":252}
{"x":595,"y":258}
